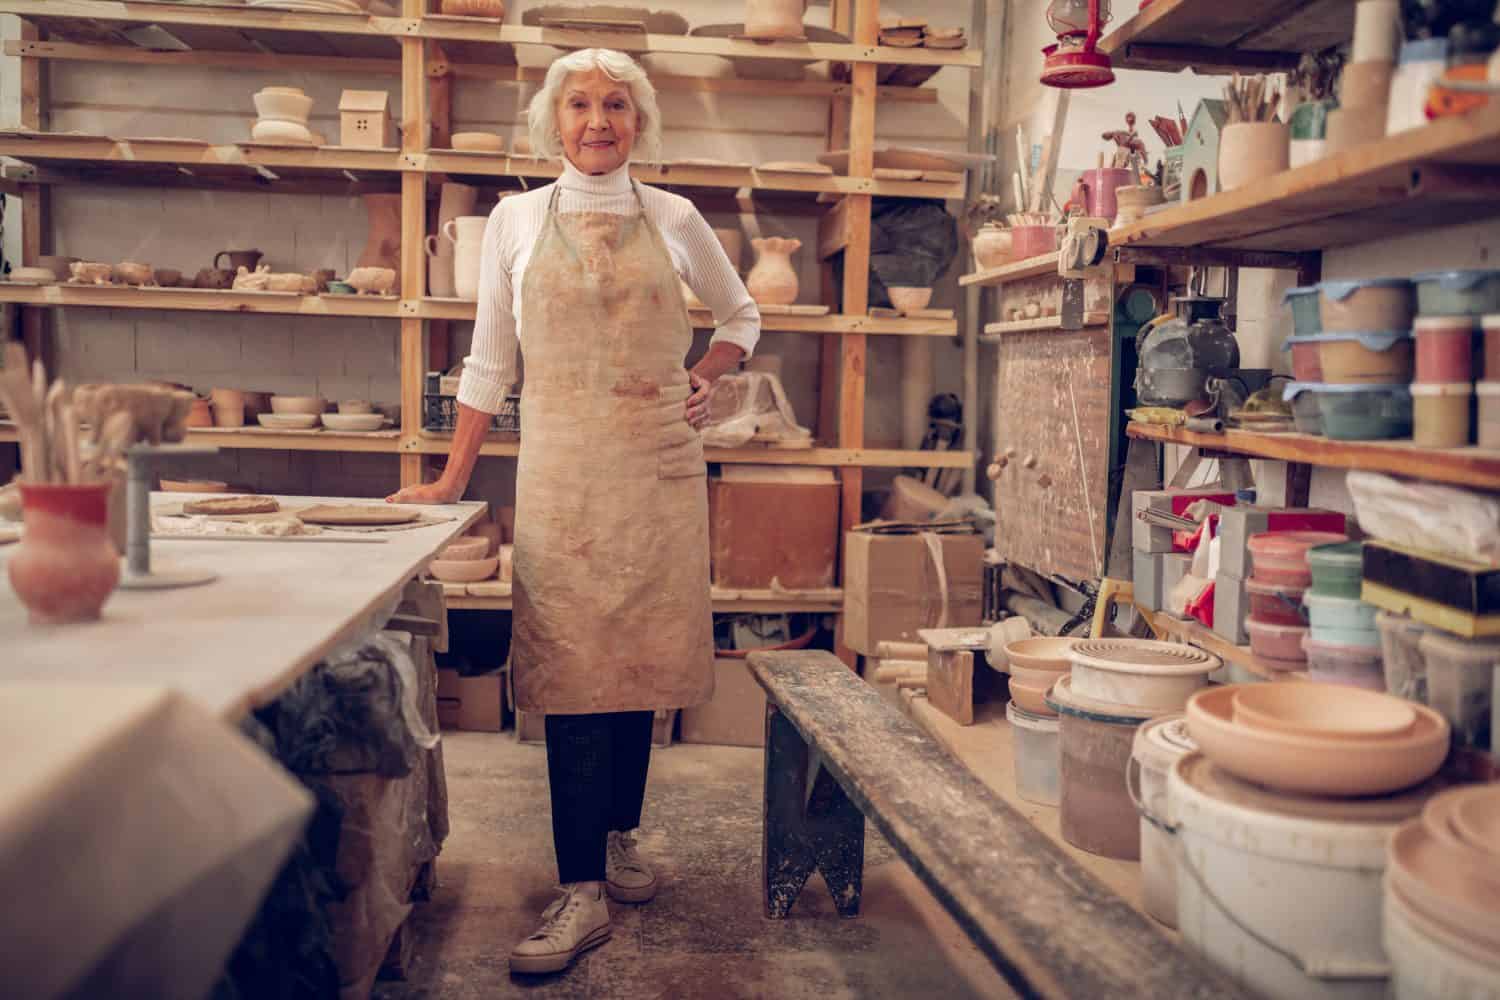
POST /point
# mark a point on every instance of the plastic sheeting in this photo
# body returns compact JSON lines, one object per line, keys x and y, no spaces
{"x":1431,"y":516}
{"x":744,"y":405}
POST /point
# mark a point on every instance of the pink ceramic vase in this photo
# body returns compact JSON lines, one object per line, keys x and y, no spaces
{"x":383,"y":244}
{"x":773,"y":281}
{"x":65,"y":566}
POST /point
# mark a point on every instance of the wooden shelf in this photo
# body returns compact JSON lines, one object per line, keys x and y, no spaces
{"x":495,"y":596}
{"x":833,"y":323}
{"x":1472,"y":467}
{"x":379,"y":442}
{"x":200,"y":300}
{"x":1031,"y":267}
{"x":1439,"y":174}
{"x":62,"y":158}
{"x":994,"y":331}
{"x":1213,"y":36}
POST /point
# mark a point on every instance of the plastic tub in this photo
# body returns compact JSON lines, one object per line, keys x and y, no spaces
{"x":1366,"y":304}
{"x":1405,"y":667}
{"x":1429,"y":962}
{"x":1158,"y":745}
{"x":1422,"y":63}
{"x":1307,"y":357}
{"x":1488,"y":433}
{"x":1279,"y":646}
{"x":1445,"y":348}
{"x":1337,"y":569}
{"x":1306,"y":414}
{"x":1365,"y":412}
{"x":1032,"y":241}
{"x":1440,"y":414}
{"x":1294,"y":909}
{"x":1460,"y":682}
{"x":1366,"y":356}
{"x":1272,"y":604}
{"x":1343,"y":663}
{"x":1138,"y":675}
{"x":1095,"y":811}
{"x":1458,"y":293}
{"x":1344,"y":620}
{"x":1036,"y":749}
{"x":1280,"y":557}
{"x":1305,"y":311}
{"x":1491,"y":327}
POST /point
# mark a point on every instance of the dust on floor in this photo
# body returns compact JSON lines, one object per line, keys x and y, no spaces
{"x":704,"y":936}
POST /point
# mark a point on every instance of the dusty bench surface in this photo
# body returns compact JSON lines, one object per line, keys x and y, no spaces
{"x":1051,"y":928}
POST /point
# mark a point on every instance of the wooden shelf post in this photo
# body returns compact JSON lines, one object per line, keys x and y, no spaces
{"x":415,"y":123}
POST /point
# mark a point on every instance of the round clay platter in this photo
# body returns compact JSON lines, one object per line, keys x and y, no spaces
{"x":357,"y":514}
{"x":227,"y":506}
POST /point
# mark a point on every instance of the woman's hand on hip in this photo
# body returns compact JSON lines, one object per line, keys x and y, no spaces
{"x":430,"y":493}
{"x":697,"y":403}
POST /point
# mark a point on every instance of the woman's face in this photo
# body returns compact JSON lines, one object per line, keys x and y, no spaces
{"x":598,"y":122}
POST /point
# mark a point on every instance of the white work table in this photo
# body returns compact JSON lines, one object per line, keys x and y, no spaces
{"x":277,"y":608}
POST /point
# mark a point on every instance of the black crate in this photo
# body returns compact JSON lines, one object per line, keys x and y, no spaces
{"x":440,"y":413}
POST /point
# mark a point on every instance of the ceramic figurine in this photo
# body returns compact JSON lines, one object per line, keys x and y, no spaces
{"x":132,"y":273}
{"x":773,"y":281}
{"x":91,"y":273}
{"x":372,"y":280}
{"x":158,"y":413}
{"x":258,"y":281}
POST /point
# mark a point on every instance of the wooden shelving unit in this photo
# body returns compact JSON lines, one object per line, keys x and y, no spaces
{"x":493,"y":596}
{"x":1031,"y":267}
{"x":1213,"y":36}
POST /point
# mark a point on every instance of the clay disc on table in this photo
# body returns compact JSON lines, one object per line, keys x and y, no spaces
{"x":357,"y":513}
{"x":232,"y":505}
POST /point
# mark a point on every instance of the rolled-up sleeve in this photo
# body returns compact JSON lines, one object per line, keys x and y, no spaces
{"x":712,"y":277}
{"x":490,"y":368}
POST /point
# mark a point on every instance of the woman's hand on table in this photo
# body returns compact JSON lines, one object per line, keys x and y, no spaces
{"x":428,"y":493}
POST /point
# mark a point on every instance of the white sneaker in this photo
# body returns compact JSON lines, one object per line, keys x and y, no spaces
{"x":627,"y":877}
{"x":575,"y":922}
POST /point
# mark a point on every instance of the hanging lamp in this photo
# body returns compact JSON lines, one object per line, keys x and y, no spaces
{"x":1074,"y":61}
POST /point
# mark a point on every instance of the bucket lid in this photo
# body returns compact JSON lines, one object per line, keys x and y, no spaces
{"x":1160,"y":742}
{"x":1487,"y":388}
{"x":1457,"y":281}
{"x":1022,"y":719}
{"x":1442,"y":388}
{"x":1344,"y":555}
{"x":1340,"y":290}
{"x":1292,"y":390}
{"x":1204,"y":777}
{"x":1063,"y":701}
{"x":1465,"y":324}
{"x":1143,"y":656}
{"x":1254,"y":625}
{"x":1370,"y":340}
{"x":1292,"y":293}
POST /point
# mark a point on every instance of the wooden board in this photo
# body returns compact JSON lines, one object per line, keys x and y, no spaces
{"x":1172,"y":34}
{"x":1052,"y":394}
{"x":950,"y":683}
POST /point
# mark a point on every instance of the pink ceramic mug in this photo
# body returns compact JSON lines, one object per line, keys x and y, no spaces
{"x":1032,"y":241}
{"x":1095,"y":190}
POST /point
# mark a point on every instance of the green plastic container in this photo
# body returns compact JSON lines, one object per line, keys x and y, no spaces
{"x":1343,"y":620}
{"x":1337,"y":570}
{"x":1307,"y":320}
{"x":1370,"y":411}
{"x":1458,"y":293}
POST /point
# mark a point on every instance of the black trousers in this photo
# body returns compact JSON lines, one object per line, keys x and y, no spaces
{"x":596,"y":767}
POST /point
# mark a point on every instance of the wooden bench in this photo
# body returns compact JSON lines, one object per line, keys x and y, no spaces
{"x":837,"y":753}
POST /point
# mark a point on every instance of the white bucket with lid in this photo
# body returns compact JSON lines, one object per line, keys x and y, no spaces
{"x":1424,"y":963}
{"x":1037,"y":755}
{"x":1283,"y":892}
{"x":1158,"y":744}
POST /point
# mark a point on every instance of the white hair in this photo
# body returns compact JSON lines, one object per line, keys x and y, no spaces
{"x":541,"y":116}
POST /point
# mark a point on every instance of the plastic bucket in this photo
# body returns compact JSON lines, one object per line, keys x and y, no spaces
{"x":1425,"y":964}
{"x":1158,"y":745}
{"x":1404,"y":666}
{"x":1096,"y":813}
{"x":1284,"y":901}
{"x":1280,"y":646}
{"x":1037,"y":753}
{"x":1460,"y":682}
{"x":1280,"y":557}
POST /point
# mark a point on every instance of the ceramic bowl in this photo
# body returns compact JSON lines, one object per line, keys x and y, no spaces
{"x":33,"y":276}
{"x":1033,"y":678}
{"x":281,"y":133}
{"x":465,"y":549}
{"x":133,"y":273}
{"x":463,"y":570}
{"x":1041,"y":652}
{"x":297,"y":404}
{"x":1323,"y":711}
{"x":288,"y":421}
{"x":283,"y":106}
{"x":353,"y":421}
{"x":1448,"y":886}
{"x":194,"y":486}
{"x":909,"y":299}
{"x":1140,"y":672}
{"x":1311,"y":765}
{"x":352,"y":406}
{"x":1032,"y":699}
{"x":478,"y":142}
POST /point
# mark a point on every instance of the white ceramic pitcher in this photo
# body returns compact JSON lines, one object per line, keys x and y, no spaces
{"x":466,"y":233}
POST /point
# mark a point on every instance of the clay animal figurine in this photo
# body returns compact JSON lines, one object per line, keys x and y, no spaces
{"x":288,"y":281}
{"x":259,"y":281}
{"x":90,"y":273}
{"x":159,"y":414}
{"x":132,"y":273}
{"x":372,"y":280}
{"x":214,"y":277}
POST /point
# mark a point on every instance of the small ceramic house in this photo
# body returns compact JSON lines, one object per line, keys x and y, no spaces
{"x":365,"y":120}
{"x":1200,"y":156}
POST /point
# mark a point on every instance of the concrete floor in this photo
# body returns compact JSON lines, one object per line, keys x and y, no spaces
{"x":704,"y":935}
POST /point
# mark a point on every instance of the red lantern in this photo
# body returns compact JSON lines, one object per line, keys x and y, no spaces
{"x":1075,"y":61}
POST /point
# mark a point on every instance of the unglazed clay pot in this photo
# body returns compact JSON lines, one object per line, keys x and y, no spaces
{"x":466,"y":233}
{"x":774,"y":18}
{"x":909,"y":299}
{"x":65,"y":567}
{"x":992,"y":246}
{"x":383,"y":244}
{"x":1251,"y":151}
{"x":229,"y":407}
{"x":773,"y":281}
{"x":168,"y":277}
{"x":214,"y":277}
{"x":133,"y":273}
{"x":474,"y":8}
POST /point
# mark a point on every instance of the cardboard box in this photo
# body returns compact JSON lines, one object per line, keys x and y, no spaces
{"x":736,"y":716}
{"x":760,"y":531}
{"x":1146,"y":579}
{"x":1237,"y":525}
{"x":1151,"y":538}
{"x":891,"y":587}
{"x":470,"y":703}
{"x":1231,"y":608}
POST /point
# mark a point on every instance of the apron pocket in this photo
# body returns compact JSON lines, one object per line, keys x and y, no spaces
{"x":679,"y":451}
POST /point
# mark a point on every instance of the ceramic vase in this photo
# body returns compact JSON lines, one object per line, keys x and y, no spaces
{"x":773,"y":281}
{"x":383,"y":244}
{"x":228,"y":406}
{"x":65,"y":566}
{"x":440,"y":269}
{"x":774,"y":18}
{"x":992,"y":245}
{"x":474,"y":8}
{"x":466,"y":233}
{"x":456,"y":200}
{"x":1250,"y":151}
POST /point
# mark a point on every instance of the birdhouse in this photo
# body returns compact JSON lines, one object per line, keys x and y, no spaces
{"x":365,"y":120}
{"x":1200,"y":154}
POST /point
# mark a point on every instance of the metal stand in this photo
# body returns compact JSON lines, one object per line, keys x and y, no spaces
{"x":138,"y":573}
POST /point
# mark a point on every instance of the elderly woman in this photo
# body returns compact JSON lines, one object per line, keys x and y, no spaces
{"x":612,"y":618}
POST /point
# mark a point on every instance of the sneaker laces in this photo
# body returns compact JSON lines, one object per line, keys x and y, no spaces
{"x":623,"y":853}
{"x":555,"y":916}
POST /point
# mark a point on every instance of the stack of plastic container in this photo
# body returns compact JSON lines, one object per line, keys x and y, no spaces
{"x":1279,"y":579}
{"x":1450,"y":305}
{"x":1365,"y":353}
{"x":1342,"y":643}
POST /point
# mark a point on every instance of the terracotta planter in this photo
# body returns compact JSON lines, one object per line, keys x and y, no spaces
{"x":229,"y":407}
{"x":65,"y":567}
{"x":383,"y":244}
{"x":992,"y":246}
{"x":773,"y":281}
{"x":466,"y":233}
{"x":774,"y":18}
{"x":474,"y":8}
{"x":1249,"y":151}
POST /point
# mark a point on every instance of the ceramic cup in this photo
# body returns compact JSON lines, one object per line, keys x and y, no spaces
{"x":1250,"y":151}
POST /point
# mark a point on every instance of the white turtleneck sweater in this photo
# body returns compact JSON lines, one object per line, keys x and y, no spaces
{"x":490,"y":369}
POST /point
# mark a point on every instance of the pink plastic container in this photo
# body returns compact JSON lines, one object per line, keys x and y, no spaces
{"x":1280,"y":557}
{"x":1307,"y":361}
{"x":1336,"y":663}
{"x":1032,"y":241}
{"x":1273,"y":604}
{"x":1445,"y":349}
{"x":1279,"y":646}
